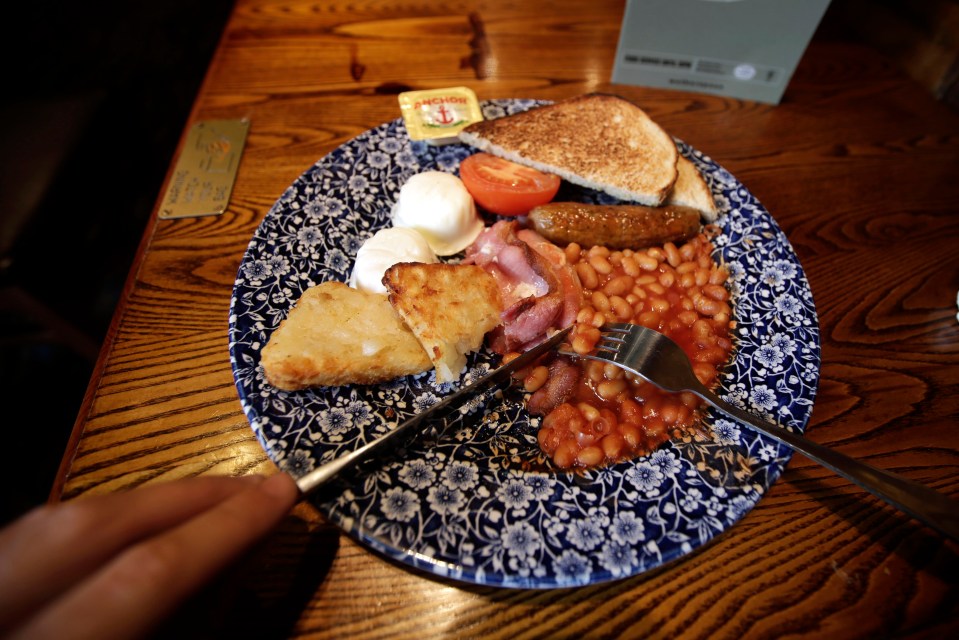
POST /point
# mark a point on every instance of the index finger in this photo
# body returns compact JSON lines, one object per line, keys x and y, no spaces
{"x":143,"y":584}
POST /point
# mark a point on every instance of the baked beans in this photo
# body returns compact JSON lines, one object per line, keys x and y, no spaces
{"x":614,"y":415}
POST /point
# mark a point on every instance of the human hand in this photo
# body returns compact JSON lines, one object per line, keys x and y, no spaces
{"x":114,"y":566}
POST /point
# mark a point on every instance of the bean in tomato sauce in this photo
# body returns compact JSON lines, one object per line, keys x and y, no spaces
{"x":614,"y":415}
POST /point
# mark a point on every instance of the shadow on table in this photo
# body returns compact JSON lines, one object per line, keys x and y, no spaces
{"x":922,"y":548}
{"x":263,"y":595}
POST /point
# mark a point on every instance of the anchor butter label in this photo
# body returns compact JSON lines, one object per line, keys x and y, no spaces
{"x":444,"y":112}
{"x":204,"y":174}
{"x":437,"y":115}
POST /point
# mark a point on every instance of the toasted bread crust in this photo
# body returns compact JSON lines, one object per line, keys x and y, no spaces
{"x":691,"y":190}
{"x":599,"y":141}
{"x":337,"y":335}
{"x":449,"y":308}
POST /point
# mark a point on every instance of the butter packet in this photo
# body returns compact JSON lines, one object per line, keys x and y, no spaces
{"x":437,"y":115}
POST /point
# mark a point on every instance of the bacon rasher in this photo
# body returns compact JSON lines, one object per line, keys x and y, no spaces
{"x":540,"y":291}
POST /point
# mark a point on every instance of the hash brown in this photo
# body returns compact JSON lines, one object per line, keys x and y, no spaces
{"x":337,"y":335}
{"x":449,"y":307}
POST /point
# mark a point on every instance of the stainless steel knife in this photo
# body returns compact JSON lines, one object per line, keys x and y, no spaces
{"x":326,"y":472}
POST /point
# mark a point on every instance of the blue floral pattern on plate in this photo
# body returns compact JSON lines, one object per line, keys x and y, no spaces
{"x":478,"y":502}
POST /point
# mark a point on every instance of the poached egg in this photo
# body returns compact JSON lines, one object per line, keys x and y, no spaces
{"x":384,"y":249}
{"x":437,"y":205}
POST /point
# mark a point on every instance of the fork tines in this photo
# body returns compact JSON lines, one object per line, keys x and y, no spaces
{"x":612,"y":337}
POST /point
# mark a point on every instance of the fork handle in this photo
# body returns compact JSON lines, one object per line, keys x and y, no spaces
{"x":931,"y":507}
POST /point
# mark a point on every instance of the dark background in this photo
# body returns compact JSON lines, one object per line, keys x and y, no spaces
{"x":100,"y":92}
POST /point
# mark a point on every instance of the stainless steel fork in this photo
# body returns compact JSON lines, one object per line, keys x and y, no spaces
{"x":657,"y":359}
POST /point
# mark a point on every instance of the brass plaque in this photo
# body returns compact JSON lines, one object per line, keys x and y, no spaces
{"x":206,"y":169}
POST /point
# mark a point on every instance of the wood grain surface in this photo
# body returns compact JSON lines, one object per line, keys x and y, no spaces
{"x":860,"y":167}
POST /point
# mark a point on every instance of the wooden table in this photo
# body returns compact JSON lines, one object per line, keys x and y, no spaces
{"x":859,"y":166}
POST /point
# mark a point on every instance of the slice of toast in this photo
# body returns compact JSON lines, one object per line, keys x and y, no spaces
{"x":691,"y":190}
{"x":449,"y":307}
{"x":338,"y":335}
{"x":599,"y":141}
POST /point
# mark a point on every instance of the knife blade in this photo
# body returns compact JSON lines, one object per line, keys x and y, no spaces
{"x":326,"y":472}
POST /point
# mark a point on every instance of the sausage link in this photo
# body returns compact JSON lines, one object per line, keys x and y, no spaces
{"x":623,"y":226}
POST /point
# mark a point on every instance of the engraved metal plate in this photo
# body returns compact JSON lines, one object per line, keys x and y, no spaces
{"x":203,"y":178}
